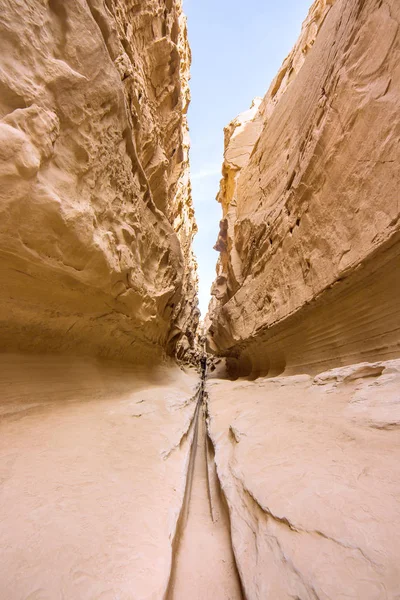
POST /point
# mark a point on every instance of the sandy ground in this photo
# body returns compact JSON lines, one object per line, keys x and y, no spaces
{"x":92,"y":477}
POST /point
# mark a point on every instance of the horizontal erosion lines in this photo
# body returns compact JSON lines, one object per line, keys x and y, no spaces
{"x":355,"y":320}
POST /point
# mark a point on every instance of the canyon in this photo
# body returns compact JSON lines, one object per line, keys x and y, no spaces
{"x":146,"y":455}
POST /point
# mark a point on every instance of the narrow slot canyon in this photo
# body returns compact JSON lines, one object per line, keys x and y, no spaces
{"x":152,"y":448}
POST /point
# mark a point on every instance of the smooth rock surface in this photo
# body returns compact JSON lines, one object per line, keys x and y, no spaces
{"x":120,"y":480}
{"x":93,"y":464}
{"x":310,"y":469}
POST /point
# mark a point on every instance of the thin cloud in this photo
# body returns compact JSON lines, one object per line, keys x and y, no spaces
{"x":204,"y":173}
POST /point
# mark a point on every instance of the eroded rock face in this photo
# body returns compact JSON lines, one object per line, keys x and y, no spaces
{"x":145,"y":482}
{"x":96,"y":214}
{"x":308,"y":279}
{"x":308,"y":276}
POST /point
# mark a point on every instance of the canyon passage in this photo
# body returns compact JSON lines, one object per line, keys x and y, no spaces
{"x":147,"y":455}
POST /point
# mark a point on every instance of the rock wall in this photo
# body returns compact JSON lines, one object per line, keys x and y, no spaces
{"x":308,"y":276}
{"x":96,"y":216}
{"x":306,"y":305}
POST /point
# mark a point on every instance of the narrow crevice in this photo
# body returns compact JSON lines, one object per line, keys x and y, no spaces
{"x":223,"y":499}
{"x":185,"y":434}
{"x":217,"y":506}
{"x":208,"y":449}
{"x":184,"y":512}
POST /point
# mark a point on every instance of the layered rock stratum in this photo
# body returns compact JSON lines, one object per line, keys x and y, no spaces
{"x":308,"y":275}
{"x":96,"y":213}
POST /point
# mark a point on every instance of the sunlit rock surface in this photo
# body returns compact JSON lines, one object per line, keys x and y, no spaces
{"x":308,"y":276}
{"x":305,"y":317}
{"x":96,"y":217}
{"x":93,"y":464}
{"x":310,"y":470}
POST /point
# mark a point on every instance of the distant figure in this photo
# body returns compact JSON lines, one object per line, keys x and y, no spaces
{"x":203,"y":363}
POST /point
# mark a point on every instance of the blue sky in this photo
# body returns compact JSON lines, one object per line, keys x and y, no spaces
{"x":237,"y":48}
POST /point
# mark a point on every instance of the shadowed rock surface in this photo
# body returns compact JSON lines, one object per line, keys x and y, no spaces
{"x":96,"y":214}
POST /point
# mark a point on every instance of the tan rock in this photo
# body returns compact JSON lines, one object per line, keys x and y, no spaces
{"x":96,"y":215}
{"x":93,"y":464}
{"x":204,"y":564}
{"x":126,"y":481}
{"x":311,"y":476}
{"x":308,"y":276}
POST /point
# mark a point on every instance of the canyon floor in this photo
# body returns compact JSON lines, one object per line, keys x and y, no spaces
{"x":310,"y":470}
{"x":120,"y":483}
{"x":93,"y":467}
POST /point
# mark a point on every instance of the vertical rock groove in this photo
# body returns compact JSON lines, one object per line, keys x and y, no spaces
{"x":203,"y":563}
{"x":184,"y":512}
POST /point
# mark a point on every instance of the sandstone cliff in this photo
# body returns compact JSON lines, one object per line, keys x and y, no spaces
{"x":96,"y":215}
{"x":309,"y":279}
{"x":308,"y":276}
